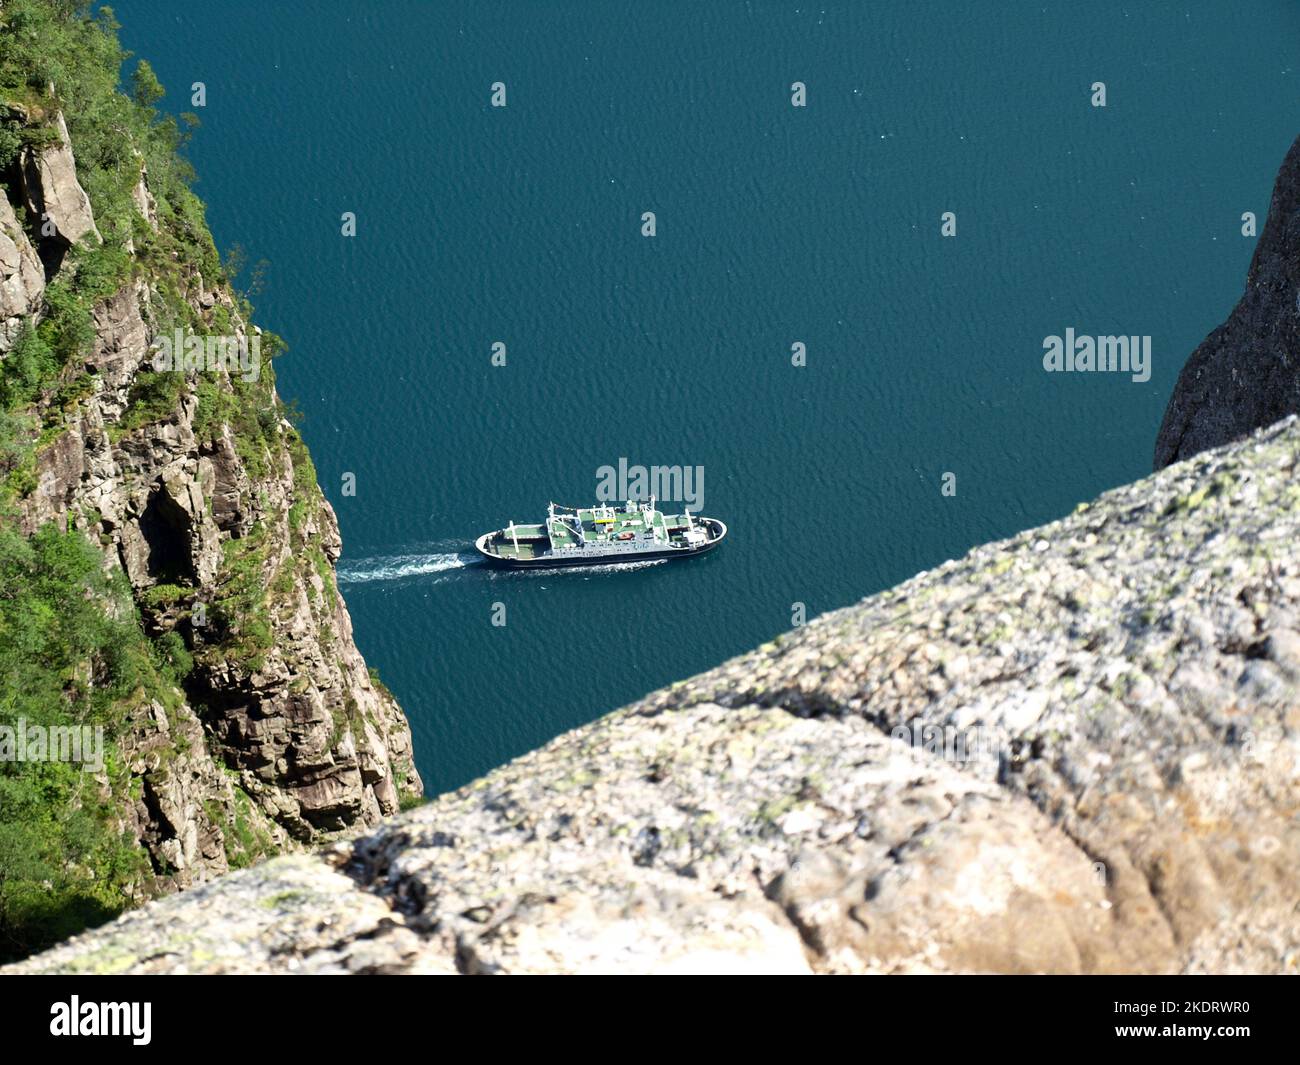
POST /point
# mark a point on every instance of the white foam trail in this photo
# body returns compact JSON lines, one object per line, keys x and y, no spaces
{"x":401,"y":567}
{"x":395,"y":567}
{"x":580,"y":571}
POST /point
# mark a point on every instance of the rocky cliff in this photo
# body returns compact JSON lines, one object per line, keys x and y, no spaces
{"x":267,"y":731}
{"x":1077,"y":750}
{"x":1246,"y":374}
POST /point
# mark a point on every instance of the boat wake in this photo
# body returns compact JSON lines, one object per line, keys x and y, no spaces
{"x":436,"y":567}
{"x":595,"y":569}
{"x":399,"y":567}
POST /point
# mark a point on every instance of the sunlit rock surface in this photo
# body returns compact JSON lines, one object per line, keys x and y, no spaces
{"x":1112,"y":785}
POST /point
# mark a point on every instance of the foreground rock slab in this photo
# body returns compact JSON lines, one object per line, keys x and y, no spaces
{"x":1073,"y":751}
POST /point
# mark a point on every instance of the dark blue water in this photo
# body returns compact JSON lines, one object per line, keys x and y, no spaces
{"x":775,"y":225}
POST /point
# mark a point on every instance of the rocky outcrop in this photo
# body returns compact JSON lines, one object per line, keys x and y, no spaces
{"x":280,"y":738}
{"x":1246,"y":374}
{"x":190,"y":815}
{"x":55,"y":201}
{"x":143,"y":198}
{"x":1077,"y":750}
{"x":22,"y":280}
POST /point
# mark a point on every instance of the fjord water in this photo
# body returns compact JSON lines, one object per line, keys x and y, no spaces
{"x":775,"y":225}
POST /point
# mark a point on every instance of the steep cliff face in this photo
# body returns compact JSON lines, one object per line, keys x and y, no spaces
{"x":1077,"y":750}
{"x":268,"y":732}
{"x":1246,"y":374}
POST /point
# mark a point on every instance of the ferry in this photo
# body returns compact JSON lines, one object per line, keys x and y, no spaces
{"x":600,"y":536}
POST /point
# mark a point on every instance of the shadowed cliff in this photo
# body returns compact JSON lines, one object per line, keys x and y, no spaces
{"x":1246,"y":374}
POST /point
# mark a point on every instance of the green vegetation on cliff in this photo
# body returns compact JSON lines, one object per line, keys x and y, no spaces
{"x":58,"y":57}
{"x":73,"y":651}
{"x":71,"y":654}
{"x":60,"y":44}
{"x":180,"y":535}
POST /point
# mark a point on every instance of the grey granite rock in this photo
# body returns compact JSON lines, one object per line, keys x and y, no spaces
{"x":1077,"y":750}
{"x":22,"y":278}
{"x":52,"y":192}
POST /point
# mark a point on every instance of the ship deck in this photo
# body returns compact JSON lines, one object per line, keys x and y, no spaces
{"x":598,"y":526}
